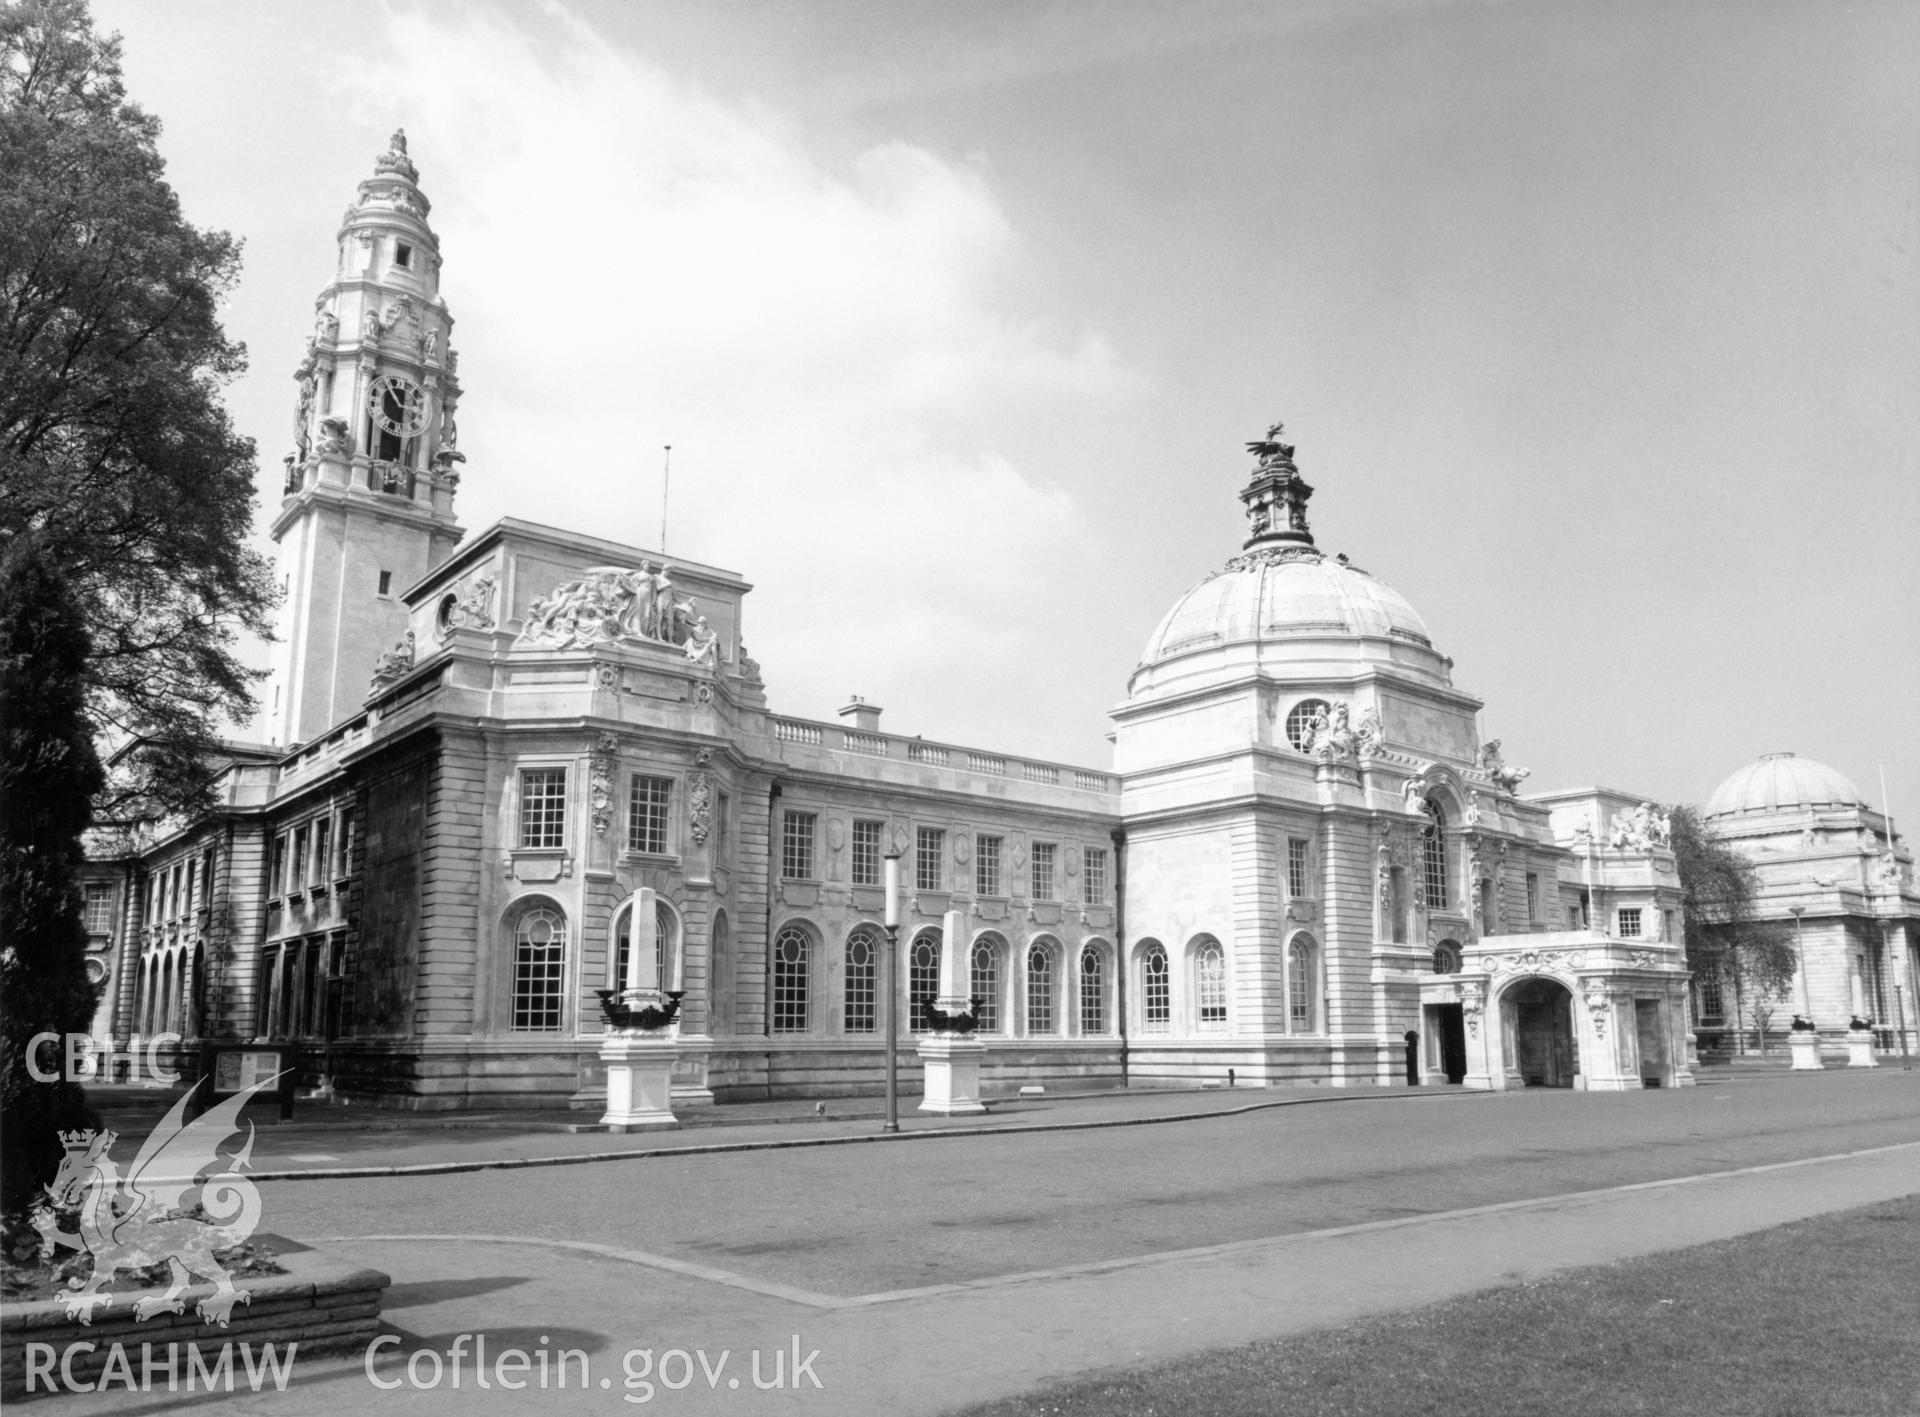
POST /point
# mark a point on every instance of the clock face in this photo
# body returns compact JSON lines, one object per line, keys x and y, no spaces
{"x":399,"y":405}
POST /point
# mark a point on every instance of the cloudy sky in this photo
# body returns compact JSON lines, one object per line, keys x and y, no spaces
{"x":1597,"y":326}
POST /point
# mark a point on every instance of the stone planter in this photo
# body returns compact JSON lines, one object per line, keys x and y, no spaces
{"x":1805,"y":1046}
{"x":1860,"y":1048}
{"x":319,"y":1304}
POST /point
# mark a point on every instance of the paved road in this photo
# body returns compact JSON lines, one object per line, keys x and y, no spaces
{"x":1047,"y":1254}
{"x":855,"y":1220}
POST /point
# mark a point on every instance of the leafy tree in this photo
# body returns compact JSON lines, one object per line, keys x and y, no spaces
{"x":115,"y":453}
{"x":1725,"y":938}
{"x":49,"y":773}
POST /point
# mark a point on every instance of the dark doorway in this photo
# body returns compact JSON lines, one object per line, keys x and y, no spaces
{"x":1543,"y":1033}
{"x":1452,"y":1029}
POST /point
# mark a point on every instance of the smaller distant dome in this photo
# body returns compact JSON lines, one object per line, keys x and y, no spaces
{"x":1780,"y":782}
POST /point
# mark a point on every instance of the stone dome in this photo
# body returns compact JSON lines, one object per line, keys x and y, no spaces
{"x":1780,"y":782}
{"x":1290,"y":611}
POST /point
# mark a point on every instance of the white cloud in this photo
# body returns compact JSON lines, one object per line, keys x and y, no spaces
{"x":634,"y":263}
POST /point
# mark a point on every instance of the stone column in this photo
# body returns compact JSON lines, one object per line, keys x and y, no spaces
{"x":952,"y":1060}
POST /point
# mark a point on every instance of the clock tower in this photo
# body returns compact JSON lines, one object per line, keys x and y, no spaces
{"x":368,"y":506}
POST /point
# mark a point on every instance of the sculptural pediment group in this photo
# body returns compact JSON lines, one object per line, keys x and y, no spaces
{"x":616,"y":605}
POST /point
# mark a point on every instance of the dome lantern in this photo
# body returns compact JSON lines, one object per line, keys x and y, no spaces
{"x":1276,"y":495}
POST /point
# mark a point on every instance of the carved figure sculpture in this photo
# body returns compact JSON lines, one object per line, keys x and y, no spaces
{"x":1368,"y":734}
{"x":702,"y":642}
{"x":303,"y":418}
{"x":474,"y":610}
{"x":1470,"y":817}
{"x":1335,"y":739}
{"x":1634,"y":831}
{"x":608,"y":605}
{"x":394,"y":664}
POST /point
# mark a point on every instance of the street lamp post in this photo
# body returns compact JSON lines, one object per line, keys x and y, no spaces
{"x":892,"y":922}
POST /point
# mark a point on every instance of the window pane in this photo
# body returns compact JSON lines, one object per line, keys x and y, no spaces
{"x":929,"y":855}
{"x":986,"y":865}
{"x":863,"y":950}
{"x":796,"y":846}
{"x":790,"y":949}
{"x":986,"y":985}
{"x":1095,"y":878}
{"x":1156,"y":994}
{"x":1093,"y":992}
{"x":1210,"y":979}
{"x":866,"y":853}
{"x":539,"y":969}
{"x":1296,"y":867}
{"x":1433,"y":856}
{"x":923,"y":978}
{"x":1043,"y":871}
{"x":1300,"y":987}
{"x":647,"y":814}
{"x":1040,"y":989}
{"x":543,"y":808}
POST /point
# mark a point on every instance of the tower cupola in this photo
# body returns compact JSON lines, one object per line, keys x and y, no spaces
{"x":370,"y":483}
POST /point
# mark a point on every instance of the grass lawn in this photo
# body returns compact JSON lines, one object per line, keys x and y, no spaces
{"x":1820,"y":1318}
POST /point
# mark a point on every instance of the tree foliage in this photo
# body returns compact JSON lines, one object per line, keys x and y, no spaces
{"x":49,"y":773}
{"x":1724,"y":935}
{"x":116,"y":455}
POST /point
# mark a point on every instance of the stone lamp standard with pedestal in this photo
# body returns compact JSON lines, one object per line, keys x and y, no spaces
{"x":1860,"y":1043}
{"x":949,"y":1051}
{"x":892,"y":921}
{"x":642,"y":1042}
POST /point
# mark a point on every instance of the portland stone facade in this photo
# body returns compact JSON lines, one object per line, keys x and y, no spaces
{"x":1305,"y":865}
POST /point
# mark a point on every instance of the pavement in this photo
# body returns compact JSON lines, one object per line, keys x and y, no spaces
{"x":1053,"y":1239}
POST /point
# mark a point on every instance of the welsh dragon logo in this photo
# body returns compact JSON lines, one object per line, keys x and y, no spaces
{"x":136,"y":1221}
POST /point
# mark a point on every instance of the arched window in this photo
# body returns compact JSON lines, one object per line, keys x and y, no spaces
{"x":985,"y":982}
{"x":1300,"y":719}
{"x":665,"y":945}
{"x":1446,"y":957}
{"x":1093,"y":991}
{"x":1156,"y":991}
{"x":863,"y":951}
{"x":1300,"y":986}
{"x":1040,"y":988}
{"x":1433,"y":855}
{"x":923,"y":978}
{"x":1210,"y":984}
{"x":539,"y":969}
{"x":790,"y":952}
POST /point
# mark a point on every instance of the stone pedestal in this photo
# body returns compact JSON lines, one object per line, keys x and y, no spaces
{"x":952,"y":1074}
{"x":1860,"y":1048}
{"x":1805,"y":1046}
{"x":639,"y":1081}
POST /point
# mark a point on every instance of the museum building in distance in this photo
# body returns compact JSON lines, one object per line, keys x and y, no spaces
{"x":1303,"y":866}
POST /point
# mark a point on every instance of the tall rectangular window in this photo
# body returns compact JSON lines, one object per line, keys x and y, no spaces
{"x":647,"y":814}
{"x":296,"y":864}
{"x":986,"y":865}
{"x":1093,"y":992}
{"x":1573,"y":917}
{"x":863,"y":948}
{"x":1666,"y":920}
{"x":1629,"y":922}
{"x":1296,"y":868}
{"x":929,"y":854}
{"x":1043,"y":854}
{"x":543,"y":808}
{"x":1094,"y":881}
{"x":866,"y":852}
{"x":723,"y":827}
{"x":343,"y":857}
{"x":322,"y":851}
{"x":99,"y":917}
{"x":1533,"y":897}
{"x":1711,"y":1004}
{"x":796,"y":846}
